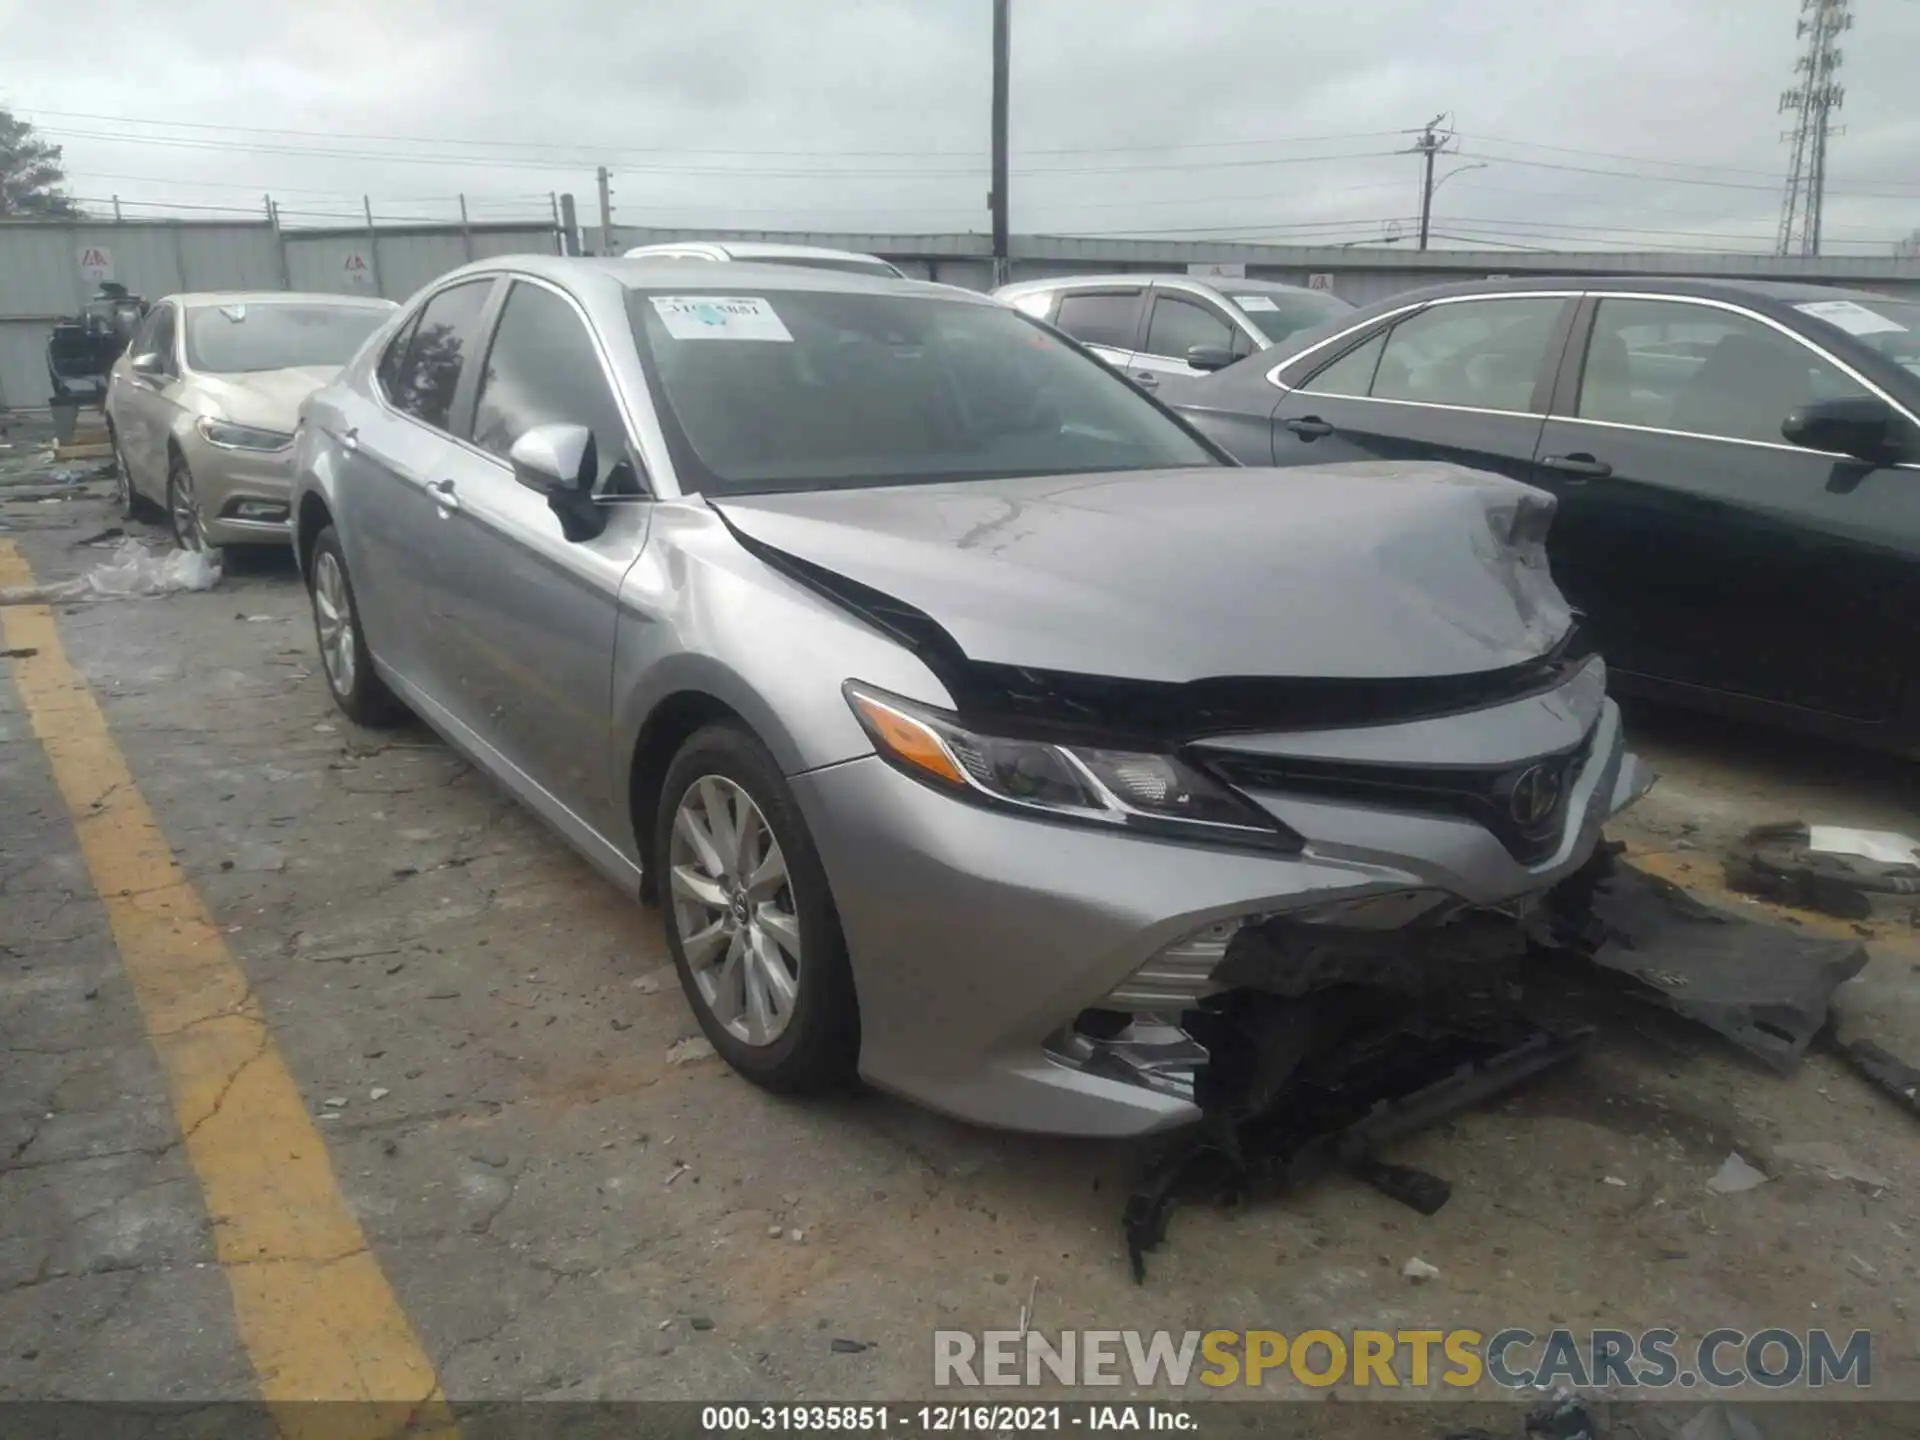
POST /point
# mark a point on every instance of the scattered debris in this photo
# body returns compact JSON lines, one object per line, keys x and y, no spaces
{"x":258,"y":619}
{"x":1564,"y":1417}
{"x":1833,"y":1162}
{"x":774,"y":1232}
{"x":1736,"y":1175}
{"x":798,"y":1237}
{"x":379,"y":1092}
{"x":1837,"y":874}
{"x":99,"y":537}
{"x":492,"y":1159}
{"x":701,"y":1322}
{"x":1882,"y":1069}
{"x":1419,"y":1271}
{"x":20,"y":652}
{"x":654,"y":981}
{"x":334,"y":1102}
{"x":680,"y":1168}
{"x":1613,"y":1180}
{"x":685,"y":1052}
{"x":1718,"y":1422}
{"x":842,"y":1346}
{"x":133,"y":571}
{"x":1864,"y":1268}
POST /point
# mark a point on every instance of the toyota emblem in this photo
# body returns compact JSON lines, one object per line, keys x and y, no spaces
{"x":1535,"y":796}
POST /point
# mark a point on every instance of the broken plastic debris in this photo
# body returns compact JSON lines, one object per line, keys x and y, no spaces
{"x":1613,"y":1180}
{"x":334,"y":1102}
{"x":1417,"y":1270}
{"x":132,"y":571}
{"x":1735,"y":1175}
{"x":1833,"y":1162}
{"x":379,"y":1092}
{"x":1886,"y":846}
{"x":684,"y":1052}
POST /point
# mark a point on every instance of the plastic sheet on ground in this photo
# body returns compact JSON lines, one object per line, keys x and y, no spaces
{"x":132,"y":572}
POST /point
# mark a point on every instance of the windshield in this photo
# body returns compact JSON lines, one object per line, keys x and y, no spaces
{"x":851,"y":264}
{"x":1890,"y":326}
{"x":233,"y":339}
{"x":1278,"y":315}
{"x":820,"y":390}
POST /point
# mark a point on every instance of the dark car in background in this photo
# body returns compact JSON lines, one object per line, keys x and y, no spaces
{"x":1737,"y":467}
{"x":1154,"y":326}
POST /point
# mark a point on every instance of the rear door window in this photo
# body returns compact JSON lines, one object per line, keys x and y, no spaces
{"x":1484,"y":354}
{"x":437,"y":352}
{"x":1101,"y":317}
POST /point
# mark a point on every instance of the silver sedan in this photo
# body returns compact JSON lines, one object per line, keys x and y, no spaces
{"x":957,"y":703}
{"x":201,"y":406}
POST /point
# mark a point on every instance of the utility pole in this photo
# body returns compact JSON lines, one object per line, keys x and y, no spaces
{"x":606,"y":210}
{"x":1428,"y":144}
{"x":997,"y":198}
{"x":569,"y":226}
{"x":466,"y":231}
{"x":1813,"y":98}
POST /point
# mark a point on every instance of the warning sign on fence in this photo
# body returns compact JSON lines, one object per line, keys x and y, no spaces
{"x":356,"y":269}
{"x":96,"y":263}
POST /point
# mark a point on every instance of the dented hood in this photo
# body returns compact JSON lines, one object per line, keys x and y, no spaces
{"x":1365,"y":571}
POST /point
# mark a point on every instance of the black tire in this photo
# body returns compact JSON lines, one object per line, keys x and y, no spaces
{"x":364,"y":698}
{"x":819,"y":1050}
{"x":133,"y":505}
{"x":187,"y":535}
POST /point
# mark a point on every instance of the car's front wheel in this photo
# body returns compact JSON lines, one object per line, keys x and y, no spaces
{"x":183,"y":508}
{"x":133,"y":505}
{"x":749,"y":917}
{"x":360,"y":693}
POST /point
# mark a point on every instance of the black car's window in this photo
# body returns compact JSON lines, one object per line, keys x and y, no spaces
{"x":543,"y":369}
{"x":1104,"y":318}
{"x":1178,"y":325}
{"x":770,"y":390}
{"x":1673,"y":366}
{"x":1484,"y":353}
{"x":437,"y":352}
{"x":160,"y":340}
{"x":1890,"y":326}
{"x":1352,"y":373}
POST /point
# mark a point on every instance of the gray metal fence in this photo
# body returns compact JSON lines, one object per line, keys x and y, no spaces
{"x":49,"y":269}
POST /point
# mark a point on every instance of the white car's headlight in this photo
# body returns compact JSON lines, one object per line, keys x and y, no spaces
{"x":1149,"y":791}
{"x":229,"y":436}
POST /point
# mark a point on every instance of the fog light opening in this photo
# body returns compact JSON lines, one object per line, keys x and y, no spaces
{"x":1151,"y":1049}
{"x":264,"y":511}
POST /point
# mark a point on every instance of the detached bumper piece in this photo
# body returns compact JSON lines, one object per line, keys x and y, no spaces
{"x":1325,"y":1043}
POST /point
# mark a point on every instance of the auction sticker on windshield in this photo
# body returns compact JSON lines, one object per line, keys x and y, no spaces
{"x":1853,"y":318}
{"x":1255,"y":302}
{"x":719,"y":317}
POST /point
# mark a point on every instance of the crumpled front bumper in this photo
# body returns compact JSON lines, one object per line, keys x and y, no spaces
{"x":976,"y":935}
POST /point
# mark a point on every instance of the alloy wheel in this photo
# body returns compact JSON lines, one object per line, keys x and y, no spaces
{"x":333,"y":620}
{"x":122,"y":481}
{"x":734,"y":911}
{"x":184,"y":511}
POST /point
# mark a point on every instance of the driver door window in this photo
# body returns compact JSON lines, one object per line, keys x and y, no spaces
{"x":161,"y":339}
{"x":1665,"y":365}
{"x":1178,"y":325}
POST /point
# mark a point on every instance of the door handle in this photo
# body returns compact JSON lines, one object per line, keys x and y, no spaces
{"x":1146,"y":379}
{"x":1308,"y":427}
{"x":1579,"y":464}
{"x":443,"y":495}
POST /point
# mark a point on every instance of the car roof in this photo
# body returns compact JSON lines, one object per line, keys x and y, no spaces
{"x":193,"y":298}
{"x":762,"y":249}
{"x":1223,"y":284}
{"x":650,"y":272}
{"x":1782,"y":292}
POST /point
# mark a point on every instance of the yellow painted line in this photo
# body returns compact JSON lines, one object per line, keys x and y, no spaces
{"x":313,"y":1308}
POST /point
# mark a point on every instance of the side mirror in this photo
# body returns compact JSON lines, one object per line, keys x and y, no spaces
{"x":1209,"y":357}
{"x":148,"y":366}
{"x":1859,"y":425}
{"x":555,"y":459}
{"x":559,"y":462}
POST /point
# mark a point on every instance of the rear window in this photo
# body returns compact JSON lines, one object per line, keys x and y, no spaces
{"x":234,"y":339}
{"x":811,"y":390}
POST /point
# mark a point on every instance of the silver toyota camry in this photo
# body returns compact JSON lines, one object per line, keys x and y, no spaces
{"x":960,"y":707}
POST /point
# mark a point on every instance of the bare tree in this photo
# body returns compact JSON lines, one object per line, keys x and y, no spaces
{"x":32,"y":179}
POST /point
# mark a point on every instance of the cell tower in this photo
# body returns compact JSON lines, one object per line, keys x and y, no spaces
{"x":1815,"y":95}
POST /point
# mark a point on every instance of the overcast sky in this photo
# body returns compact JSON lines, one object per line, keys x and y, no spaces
{"x":1241,"y":118}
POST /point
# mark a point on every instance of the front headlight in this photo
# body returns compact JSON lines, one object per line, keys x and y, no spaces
{"x":229,"y":436}
{"x":1139,"y":790}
